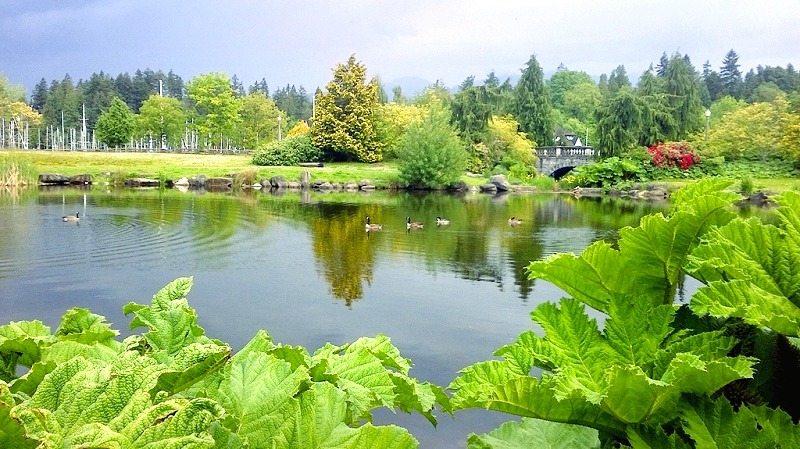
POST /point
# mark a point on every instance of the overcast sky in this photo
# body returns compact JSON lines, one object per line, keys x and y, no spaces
{"x":299,"y":42}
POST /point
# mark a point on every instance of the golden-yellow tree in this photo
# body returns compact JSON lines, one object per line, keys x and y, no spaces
{"x":344,"y":118}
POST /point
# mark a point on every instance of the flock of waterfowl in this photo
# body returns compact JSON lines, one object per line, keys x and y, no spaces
{"x":513,"y":221}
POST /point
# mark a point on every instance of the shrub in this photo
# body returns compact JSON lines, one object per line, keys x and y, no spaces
{"x":606,"y":173}
{"x":290,"y":151}
{"x":673,"y":154}
{"x":430,"y":154}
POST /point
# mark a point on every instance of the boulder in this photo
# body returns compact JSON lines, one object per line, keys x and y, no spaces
{"x":489,"y":188}
{"x":350,"y":186}
{"x":183,"y":182}
{"x":142,"y":182}
{"x":278,"y":182}
{"x":501,"y":182}
{"x":293,"y":185}
{"x":53,"y":179}
{"x":81,"y":179}
{"x":305,"y":179}
{"x":364,"y":183}
{"x":459,"y":186}
{"x":197,"y":182}
{"x":218,"y":183}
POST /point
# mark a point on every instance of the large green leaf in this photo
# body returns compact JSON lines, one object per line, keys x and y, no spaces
{"x":715,"y":425}
{"x":83,"y":326}
{"x":537,"y":433}
{"x":12,"y":432}
{"x":21,"y":343}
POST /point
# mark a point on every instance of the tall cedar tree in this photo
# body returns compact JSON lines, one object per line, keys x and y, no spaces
{"x":730,"y":75}
{"x":344,"y":123}
{"x":683,"y":94}
{"x":532,"y":105}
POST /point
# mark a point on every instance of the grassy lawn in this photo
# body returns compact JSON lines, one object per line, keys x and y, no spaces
{"x":175,"y":166}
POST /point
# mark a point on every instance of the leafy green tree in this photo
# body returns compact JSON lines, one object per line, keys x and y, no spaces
{"x":344,"y":121}
{"x":9,"y":91}
{"x":510,"y":147}
{"x":532,"y":104}
{"x":435,"y":94}
{"x":397,"y":95}
{"x":682,"y":86}
{"x":116,"y":125}
{"x":754,"y":131}
{"x":730,"y":76}
{"x":163,"y":119}
{"x":581,"y":102}
{"x":216,"y":105}
{"x":391,"y":121}
{"x":259,"y":120}
{"x":430,"y":154}
{"x":562,"y":82}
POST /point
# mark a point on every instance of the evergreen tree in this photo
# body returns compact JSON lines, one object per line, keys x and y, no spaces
{"x":661,"y":68}
{"x":39,"y":96}
{"x":344,"y":125}
{"x":123,"y":83}
{"x":683,"y":95}
{"x":236,"y":85}
{"x":115,"y":126}
{"x":619,"y":123}
{"x":471,"y":111}
{"x":397,"y":95}
{"x":174,"y":86}
{"x":730,"y":75}
{"x":532,"y":105}
{"x":618,"y":79}
{"x":492,"y":81}
{"x":97,"y":95}
{"x":62,"y":106}
{"x":713,"y":83}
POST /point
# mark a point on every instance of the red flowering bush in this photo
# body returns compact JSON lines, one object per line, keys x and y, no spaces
{"x":672,"y":154}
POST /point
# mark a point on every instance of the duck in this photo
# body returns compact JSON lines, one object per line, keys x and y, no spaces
{"x":373,"y":226}
{"x":513,"y":221}
{"x":413,"y":224}
{"x":442,"y":221}
{"x":75,"y":217}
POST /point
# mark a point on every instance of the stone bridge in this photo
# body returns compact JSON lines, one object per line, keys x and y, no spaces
{"x":558,"y":161}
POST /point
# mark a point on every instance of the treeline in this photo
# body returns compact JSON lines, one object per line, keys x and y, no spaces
{"x":494,"y":119}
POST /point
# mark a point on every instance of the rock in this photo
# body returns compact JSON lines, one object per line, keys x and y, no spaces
{"x":183,"y":182}
{"x":587,"y":191}
{"x":459,"y":186}
{"x":350,"y":186}
{"x":278,"y":182}
{"x":325,"y":186}
{"x":364,"y":183}
{"x":759,"y":199}
{"x":366,"y":187}
{"x":142,"y":182}
{"x":218,"y":183}
{"x":489,"y":188}
{"x":197,"y":182}
{"x":305,"y":179}
{"x":81,"y":179}
{"x":53,"y":179}
{"x":257,"y":185}
{"x":293,"y":185}
{"x":500,"y":181}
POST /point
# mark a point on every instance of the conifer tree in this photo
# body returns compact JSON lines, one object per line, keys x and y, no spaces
{"x":344,"y":123}
{"x":532,"y":105}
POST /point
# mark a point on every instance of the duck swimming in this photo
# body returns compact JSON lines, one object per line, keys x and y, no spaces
{"x":513,"y":221}
{"x":442,"y":221}
{"x":75,"y":217}
{"x":413,"y":224}
{"x":373,"y":226}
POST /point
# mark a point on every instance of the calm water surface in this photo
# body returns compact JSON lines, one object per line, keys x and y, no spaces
{"x":302,"y":267}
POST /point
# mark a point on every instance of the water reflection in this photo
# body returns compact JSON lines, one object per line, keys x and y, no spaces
{"x":301,"y":266}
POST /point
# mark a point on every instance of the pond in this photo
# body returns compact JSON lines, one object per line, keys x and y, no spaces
{"x":301,"y":266}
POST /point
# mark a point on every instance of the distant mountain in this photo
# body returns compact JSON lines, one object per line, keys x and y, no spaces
{"x":409,"y":85}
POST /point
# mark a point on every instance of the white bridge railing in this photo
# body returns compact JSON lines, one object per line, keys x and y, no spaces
{"x":565,"y":152}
